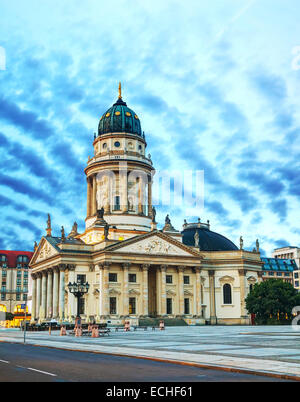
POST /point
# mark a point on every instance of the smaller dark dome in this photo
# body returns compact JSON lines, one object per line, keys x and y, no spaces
{"x":208,"y":240}
{"x":119,"y":118}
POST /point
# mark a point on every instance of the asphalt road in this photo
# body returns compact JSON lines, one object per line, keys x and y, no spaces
{"x":21,"y":363}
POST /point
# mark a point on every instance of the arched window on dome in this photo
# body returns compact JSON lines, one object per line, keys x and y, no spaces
{"x":227,"y":296}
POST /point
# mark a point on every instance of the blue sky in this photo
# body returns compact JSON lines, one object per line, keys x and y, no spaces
{"x":215,"y":84}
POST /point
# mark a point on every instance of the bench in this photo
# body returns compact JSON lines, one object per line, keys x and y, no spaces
{"x":135,"y":327}
{"x":103,"y":332}
{"x":117,"y":328}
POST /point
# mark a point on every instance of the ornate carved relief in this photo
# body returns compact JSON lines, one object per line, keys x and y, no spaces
{"x":154,"y":246}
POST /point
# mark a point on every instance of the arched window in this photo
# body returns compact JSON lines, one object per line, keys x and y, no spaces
{"x":227,"y":294}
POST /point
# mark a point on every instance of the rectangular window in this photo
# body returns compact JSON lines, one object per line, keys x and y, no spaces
{"x":112,"y":305}
{"x":169,"y":306}
{"x":3,"y":296}
{"x":297,"y":284}
{"x":81,"y":278}
{"x":81,"y":305}
{"x":18,"y":297}
{"x":24,"y":296}
{"x":186,"y":280}
{"x":279,"y":273}
{"x":296,"y":275}
{"x":169,"y":279}
{"x":117,"y":203}
{"x":132,"y":305}
{"x":132,"y":277}
{"x":112,"y":277}
{"x":186,"y":306}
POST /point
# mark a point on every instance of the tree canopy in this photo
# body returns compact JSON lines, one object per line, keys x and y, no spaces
{"x":272,"y":301}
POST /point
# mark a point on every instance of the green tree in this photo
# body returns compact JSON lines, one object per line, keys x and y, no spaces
{"x":272,"y":302}
{"x":9,"y":316}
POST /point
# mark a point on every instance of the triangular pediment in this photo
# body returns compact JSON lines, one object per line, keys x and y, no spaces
{"x":155,"y":243}
{"x":43,"y":252}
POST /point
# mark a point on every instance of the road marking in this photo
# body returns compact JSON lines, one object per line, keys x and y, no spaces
{"x":4,"y":361}
{"x":43,"y":372}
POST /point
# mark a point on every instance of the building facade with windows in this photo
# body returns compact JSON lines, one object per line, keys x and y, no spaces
{"x":15,"y":282}
{"x":134,"y":269}
{"x":279,"y":268}
{"x":291,"y":253}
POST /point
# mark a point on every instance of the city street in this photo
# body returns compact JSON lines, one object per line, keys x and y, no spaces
{"x":30,"y":363}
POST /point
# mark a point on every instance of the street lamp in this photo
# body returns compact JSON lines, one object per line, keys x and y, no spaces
{"x":78,"y":289}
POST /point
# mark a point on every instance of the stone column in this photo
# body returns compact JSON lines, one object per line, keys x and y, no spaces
{"x":61,"y":293}
{"x":38,"y":295}
{"x":145,"y":268}
{"x":72,"y":301}
{"x":198,"y":291}
{"x":125,"y":267}
{"x":94,"y":196}
{"x":44,"y":296}
{"x":181,"y":289}
{"x":49,"y":294}
{"x":124,"y":191}
{"x":140,"y":196}
{"x":104,"y":295}
{"x":33,"y":303}
{"x":158,"y":290}
{"x":150,"y":196}
{"x":163,"y":310}
{"x":212,"y":299}
{"x":244,"y":316}
{"x":55,"y":292}
{"x":89,"y":196}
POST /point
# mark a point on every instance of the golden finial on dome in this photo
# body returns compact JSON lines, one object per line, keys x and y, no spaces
{"x":120,"y":96}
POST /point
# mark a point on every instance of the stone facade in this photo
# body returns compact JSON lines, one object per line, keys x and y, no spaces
{"x":135,"y":270}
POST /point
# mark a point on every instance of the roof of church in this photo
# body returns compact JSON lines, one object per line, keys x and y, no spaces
{"x":119,"y":118}
{"x":208,"y":240}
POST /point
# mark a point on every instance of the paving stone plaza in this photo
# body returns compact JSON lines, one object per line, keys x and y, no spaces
{"x":261,"y":349}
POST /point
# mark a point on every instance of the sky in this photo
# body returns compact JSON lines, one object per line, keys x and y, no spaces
{"x":214,"y":83}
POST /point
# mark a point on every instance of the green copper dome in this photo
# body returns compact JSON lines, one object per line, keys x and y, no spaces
{"x":119,"y":119}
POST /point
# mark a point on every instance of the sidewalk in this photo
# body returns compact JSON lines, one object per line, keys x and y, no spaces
{"x":264,"y":350}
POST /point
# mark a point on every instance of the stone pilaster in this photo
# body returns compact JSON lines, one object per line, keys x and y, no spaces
{"x":49,"y":293}
{"x":198,"y":291}
{"x":149,"y":196}
{"x":61,"y":305}
{"x":55,"y":292}
{"x":44,"y":296}
{"x":38,"y":295}
{"x":145,"y":268}
{"x":180,"y":290}
{"x":104,"y":291}
{"x":94,"y":196}
{"x":89,"y":196}
{"x":33,"y":304}
{"x":244,"y":316}
{"x":212,"y":298}
{"x":125,"y":294}
{"x":163,"y":269}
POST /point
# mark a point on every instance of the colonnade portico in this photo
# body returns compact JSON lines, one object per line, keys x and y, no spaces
{"x":144,"y":309}
{"x":48,"y":293}
{"x":143,"y":196}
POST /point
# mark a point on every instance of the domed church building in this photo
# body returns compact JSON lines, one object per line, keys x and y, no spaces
{"x":134,"y":270}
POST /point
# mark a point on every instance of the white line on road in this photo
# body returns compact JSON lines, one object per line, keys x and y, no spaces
{"x":4,"y":361}
{"x":43,"y":372}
